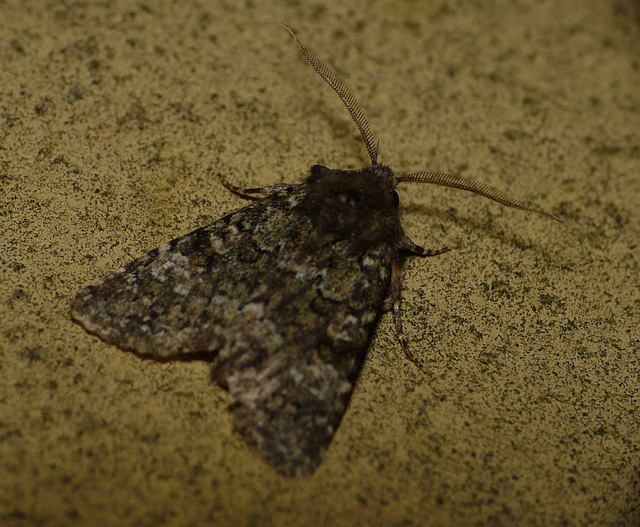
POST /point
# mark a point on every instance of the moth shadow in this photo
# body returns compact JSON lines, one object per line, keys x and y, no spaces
{"x":195,"y":356}
{"x":487,"y":224}
{"x":340,"y":131}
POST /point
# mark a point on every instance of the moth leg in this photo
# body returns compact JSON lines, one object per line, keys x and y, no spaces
{"x":409,"y":246}
{"x":395,"y":295}
{"x":256,"y":193}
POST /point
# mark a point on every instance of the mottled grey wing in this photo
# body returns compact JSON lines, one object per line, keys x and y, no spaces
{"x":178,"y":297}
{"x":292,"y":358}
{"x":289,"y":322}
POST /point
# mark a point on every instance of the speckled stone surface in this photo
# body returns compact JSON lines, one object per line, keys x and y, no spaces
{"x":115,"y":118}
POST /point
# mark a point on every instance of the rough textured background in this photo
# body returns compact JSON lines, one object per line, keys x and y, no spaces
{"x":114,"y":119}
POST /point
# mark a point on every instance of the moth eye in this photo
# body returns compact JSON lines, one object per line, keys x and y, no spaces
{"x":396,"y":199}
{"x":350,"y":197}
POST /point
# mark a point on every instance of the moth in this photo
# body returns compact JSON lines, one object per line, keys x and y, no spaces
{"x":283,"y":293}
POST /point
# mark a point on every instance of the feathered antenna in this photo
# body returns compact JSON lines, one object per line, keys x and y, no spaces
{"x":345,"y":95}
{"x":449,"y":180}
{"x":435,"y":178}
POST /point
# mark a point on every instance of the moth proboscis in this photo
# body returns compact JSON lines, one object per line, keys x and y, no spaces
{"x":283,"y":293}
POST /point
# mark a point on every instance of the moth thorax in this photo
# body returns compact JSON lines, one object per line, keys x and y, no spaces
{"x":353,"y":204}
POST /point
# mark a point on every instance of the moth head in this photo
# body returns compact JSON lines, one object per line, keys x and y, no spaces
{"x":361,"y":205}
